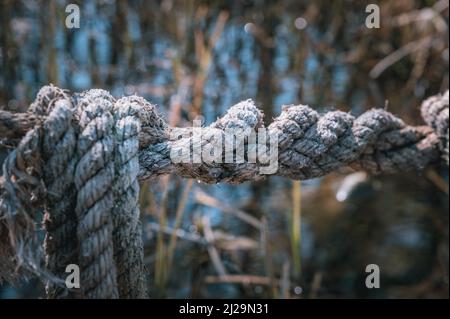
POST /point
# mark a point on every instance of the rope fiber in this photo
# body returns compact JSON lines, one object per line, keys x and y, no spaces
{"x":77,"y":159}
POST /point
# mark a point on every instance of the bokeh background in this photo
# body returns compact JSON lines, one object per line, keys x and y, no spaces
{"x":276,"y":238}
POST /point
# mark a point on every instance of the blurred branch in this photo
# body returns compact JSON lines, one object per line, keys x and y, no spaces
{"x":240,"y":279}
{"x":285,"y":280}
{"x":315,"y":285}
{"x":207,"y":200}
{"x":204,"y":54}
{"x":178,"y":218}
{"x":425,"y":14}
{"x":266,"y":250}
{"x":213,"y":253}
{"x":231,"y":242}
{"x":296,"y":226}
{"x":437,"y":180}
{"x":179,"y":233}
{"x":397,"y":55}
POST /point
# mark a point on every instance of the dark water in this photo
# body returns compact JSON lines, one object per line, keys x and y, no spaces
{"x":201,"y":57}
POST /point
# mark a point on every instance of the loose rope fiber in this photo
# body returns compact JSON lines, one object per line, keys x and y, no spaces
{"x":77,"y":159}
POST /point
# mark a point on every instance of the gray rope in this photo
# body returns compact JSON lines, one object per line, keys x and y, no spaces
{"x":82,"y":155}
{"x":311,"y":145}
{"x":94,"y":177}
{"x":128,"y":246}
{"x":37,"y":155}
{"x":91,"y":191}
{"x":58,"y":153}
{"x":435,"y":113}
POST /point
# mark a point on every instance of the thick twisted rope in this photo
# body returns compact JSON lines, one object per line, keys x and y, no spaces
{"x":94,"y":177}
{"x":128,"y":246}
{"x":87,"y":160}
{"x":82,"y":155}
{"x":309,"y":144}
{"x":58,"y":156}
{"x":435,"y":113}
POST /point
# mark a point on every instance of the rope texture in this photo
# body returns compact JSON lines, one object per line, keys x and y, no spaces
{"x":310,"y":145}
{"x":94,"y":176}
{"x":128,"y":247}
{"x":78,"y":159}
{"x":82,"y":158}
{"x":58,"y":155}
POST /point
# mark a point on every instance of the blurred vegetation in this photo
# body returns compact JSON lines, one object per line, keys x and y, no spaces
{"x":276,"y":238}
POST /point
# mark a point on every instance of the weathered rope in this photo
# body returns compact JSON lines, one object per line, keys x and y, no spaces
{"x":85,"y":152}
{"x":435,"y":113}
{"x":128,"y":247}
{"x":94,"y":177}
{"x":80,"y":157}
{"x":58,"y":147}
{"x":309,"y":144}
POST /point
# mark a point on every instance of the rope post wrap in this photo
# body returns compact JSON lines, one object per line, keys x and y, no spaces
{"x":85,"y":151}
{"x":77,"y":159}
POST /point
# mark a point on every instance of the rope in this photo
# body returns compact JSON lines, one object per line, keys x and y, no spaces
{"x":310,"y":145}
{"x":58,"y":148}
{"x":87,"y":160}
{"x":94,"y":177}
{"x":128,"y":245}
{"x":435,"y":113}
{"x":78,"y":159}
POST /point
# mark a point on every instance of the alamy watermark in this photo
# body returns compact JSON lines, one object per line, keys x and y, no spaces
{"x":73,"y":279}
{"x":229,"y":146}
{"x":73,"y":17}
{"x":373,"y":19}
{"x":373,"y":279}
